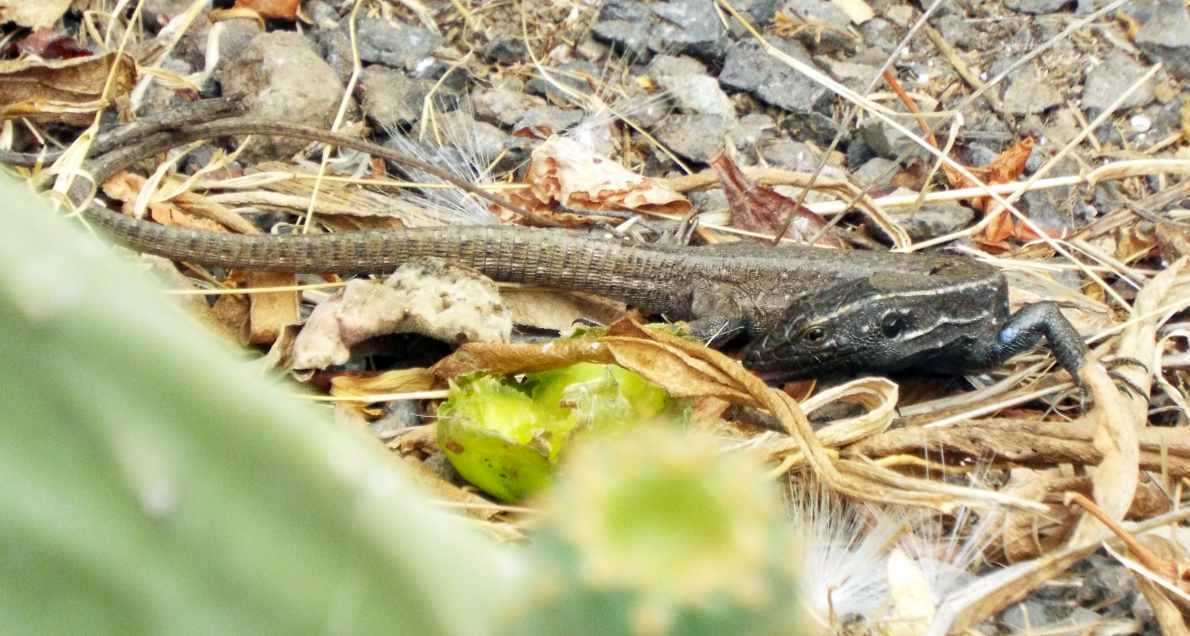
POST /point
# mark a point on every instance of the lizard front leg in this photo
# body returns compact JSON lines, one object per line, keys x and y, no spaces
{"x":1023,"y":330}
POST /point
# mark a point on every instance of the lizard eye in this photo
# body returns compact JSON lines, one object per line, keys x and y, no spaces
{"x":892,"y":324}
{"x":814,"y":335}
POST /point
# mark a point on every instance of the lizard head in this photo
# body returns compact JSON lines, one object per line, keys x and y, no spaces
{"x":886,"y":322}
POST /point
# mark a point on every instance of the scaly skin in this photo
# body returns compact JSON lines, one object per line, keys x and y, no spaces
{"x":958,"y":305}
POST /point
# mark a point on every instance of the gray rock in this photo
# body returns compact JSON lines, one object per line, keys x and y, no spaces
{"x":335,"y":45}
{"x":676,"y":65}
{"x":789,"y":154}
{"x":1107,"y":584}
{"x":877,"y":172}
{"x":749,"y":68}
{"x":322,"y":14}
{"x":689,"y":26}
{"x":237,"y":35}
{"x":282,"y":78}
{"x":751,"y":129}
{"x":690,"y":87}
{"x":1050,"y":209}
{"x":881,"y":34}
{"x":395,"y":45}
{"x":960,"y":32}
{"x":391,"y":99}
{"x":547,"y":120}
{"x":710,"y":201}
{"x":577,"y":75}
{"x":977,"y":154}
{"x":760,"y":12}
{"x":1036,"y":7}
{"x":1106,"y":82}
{"x":1029,"y":91}
{"x":503,"y":105}
{"x":626,"y":37}
{"x":932,"y":221}
{"x":1084,"y":618}
{"x":591,"y":49}
{"x":1165,"y":37}
{"x":929,"y":222}
{"x":676,"y":26}
{"x":456,"y":80}
{"x":694,"y":137}
{"x":852,"y":75}
{"x":884,"y":141}
{"x":646,"y":109}
{"x":506,"y":50}
{"x":626,"y":25}
{"x":159,"y":98}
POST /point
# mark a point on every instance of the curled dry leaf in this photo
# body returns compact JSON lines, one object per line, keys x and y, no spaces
{"x":558,"y":311}
{"x":186,"y":209}
{"x":67,"y":91}
{"x":271,"y":312}
{"x":1005,"y":168}
{"x":760,"y":208}
{"x":565,"y":171}
{"x":395,"y":381}
{"x":431,"y":298}
{"x":274,"y":9}
{"x":1117,"y":421}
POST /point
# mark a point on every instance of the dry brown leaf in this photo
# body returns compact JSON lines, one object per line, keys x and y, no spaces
{"x":232,"y":311}
{"x":186,"y":209}
{"x":1006,"y":167}
{"x":759,"y":208}
{"x":680,"y":375}
{"x":66,"y":91}
{"x":395,"y":381}
{"x":1172,"y":238}
{"x":510,"y":359}
{"x":567,"y":172}
{"x":271,"y":312}
{"x":35,"y":14}
{"x":445,"y":302}
{"x":275,"y":9}
{"x":1116,"y":477}
{"x":558,"y":311}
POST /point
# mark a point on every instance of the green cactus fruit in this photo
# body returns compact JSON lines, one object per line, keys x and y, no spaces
{"x":659,"y":532}
{"x":507,"y":436}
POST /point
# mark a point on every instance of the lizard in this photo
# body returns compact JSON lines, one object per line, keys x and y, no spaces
{"x":806,"y":311}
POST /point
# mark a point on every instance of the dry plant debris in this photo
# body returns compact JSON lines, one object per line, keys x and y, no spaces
{"x":553,"y":112}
